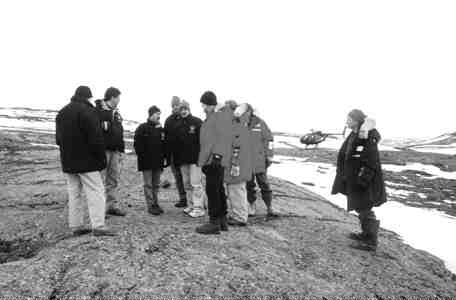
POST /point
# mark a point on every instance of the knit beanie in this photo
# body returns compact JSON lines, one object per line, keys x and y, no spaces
{"x":153,"y":109}
{"x":175,"y":101}
{"x":184,"y":104}
{"x":357,"y":115}
{"x":209,"y":98}
{"x":83,"y":92}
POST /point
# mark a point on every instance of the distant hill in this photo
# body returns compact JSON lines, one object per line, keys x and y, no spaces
{"x":39,"y":119}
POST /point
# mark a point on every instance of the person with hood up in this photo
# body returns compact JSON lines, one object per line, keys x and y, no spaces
{"x":261,"y":139}
{"x":359,"y":177}
{"x":149,"y":144}
{"x":187,"y":148}
{"x":82,"y":155}
{"x":111,"y":122}
{"x":239,"y":170}
{"x":170,"y":135}
{"x":215,"y":134}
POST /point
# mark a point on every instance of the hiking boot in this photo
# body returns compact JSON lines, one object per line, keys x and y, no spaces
{"x":181,"y":203}
{"x":197,"y":213}
{"x":223,"y":224}
{"x":272,"y":213}
{"x":77,"y":231}
{"x":371,"y":241}
{"x":160,"y":209}
{"x":115,"y":211}
{"x":252,"y":209}
{"x":165,"y":184}
{"x":155,"y":210}
{"x":103,"y":231}
{"x":213,"y":227}
{"x":357,"y":236}
{"x":234,"y":222}
{"x":187,"y":210}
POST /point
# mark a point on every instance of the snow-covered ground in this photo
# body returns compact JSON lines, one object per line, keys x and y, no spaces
{"x":430,"y":169}
{"x":281,"y":141}
{"x":425,"y":229}
{"x":442,"y":149}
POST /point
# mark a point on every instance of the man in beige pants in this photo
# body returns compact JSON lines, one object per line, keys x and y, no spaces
{"x":111,"y":122}
{"x":80,"y":140}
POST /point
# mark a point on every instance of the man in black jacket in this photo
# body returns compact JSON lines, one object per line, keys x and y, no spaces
{"x":150,"y":149}
{"x":186,"y":152}
{"x":170,"y":134}
{"x":79,"y":137}
{"x":111,"y":122}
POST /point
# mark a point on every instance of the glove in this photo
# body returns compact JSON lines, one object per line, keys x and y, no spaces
{"x":365,"y":177}
{"x":216,"y":160}
{"x":268,"y":163}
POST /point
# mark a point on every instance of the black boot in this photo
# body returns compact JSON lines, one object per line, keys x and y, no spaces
{"x":213,"y":227}
{"x":360,"y":236}
{"x":223,"y":224}
{"x":181,"y":203}
{"x":371,"y":241}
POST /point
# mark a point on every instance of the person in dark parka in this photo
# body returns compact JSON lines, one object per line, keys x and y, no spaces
{"x":186,"y":153}
{"x":149,"y":144}
{"x":170,"y":137}
{"x":82,"y":154}
{"x":359,"y":177}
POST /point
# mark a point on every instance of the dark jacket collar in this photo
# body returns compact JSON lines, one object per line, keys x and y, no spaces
{"x":81,"y":100}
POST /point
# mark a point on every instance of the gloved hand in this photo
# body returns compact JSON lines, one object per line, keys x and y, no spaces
{"x":216,"y":160}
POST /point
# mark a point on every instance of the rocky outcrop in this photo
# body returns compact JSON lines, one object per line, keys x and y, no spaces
{"x":303,"y":253}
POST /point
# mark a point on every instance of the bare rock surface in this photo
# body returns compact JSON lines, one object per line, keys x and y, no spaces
{"x":303,"y":253}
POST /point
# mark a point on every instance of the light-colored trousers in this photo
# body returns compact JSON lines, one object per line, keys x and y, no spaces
{"x":192,"y":178}
{"x":111,"y":177}
{"x":92,"y":185}
{"x":238,"y":206}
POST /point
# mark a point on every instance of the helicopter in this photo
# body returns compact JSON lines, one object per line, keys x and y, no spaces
{"x":317,"y":137}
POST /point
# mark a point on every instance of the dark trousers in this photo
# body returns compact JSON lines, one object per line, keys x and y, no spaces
{"x":263,"y":183}
{"x":179,"y":181}
{"x":215,"y":191}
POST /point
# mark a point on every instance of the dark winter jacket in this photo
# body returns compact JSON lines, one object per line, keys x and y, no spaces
{"x":187,"y":145}
{"x":149,"y":144}
{"x":79,"y":136}
{"x":170,"y":134}
{"x":359,"y":172}
{"x":111,"y":124}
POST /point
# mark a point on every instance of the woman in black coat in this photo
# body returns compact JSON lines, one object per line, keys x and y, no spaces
{"x":359,"y":176}
{"x":149,"y":144}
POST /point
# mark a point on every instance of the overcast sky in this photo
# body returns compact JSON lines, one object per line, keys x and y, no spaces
{"x":303,"y":64}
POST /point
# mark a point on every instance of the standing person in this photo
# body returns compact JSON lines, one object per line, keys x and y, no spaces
{"x":239,"y":170}
{"x":80,"y":140}
{"x":261,"y":145}
{"x":170,"y":134}
{"x":213,"y":158}
{"x":149,"y":144}
{"x":111,"y":122}
{"x":187,"y":148}
{"x":359,"y":177}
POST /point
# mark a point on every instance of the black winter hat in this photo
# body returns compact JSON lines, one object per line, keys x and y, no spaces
{"x":209,"y":98}
{"x":83,"y":92}
{"x":153,"y":109}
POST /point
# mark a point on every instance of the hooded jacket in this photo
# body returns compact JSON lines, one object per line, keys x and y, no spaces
{"x":359,"y":173}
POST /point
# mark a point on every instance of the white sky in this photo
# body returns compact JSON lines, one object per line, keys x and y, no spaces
{"x":303,"y":64}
